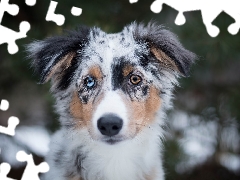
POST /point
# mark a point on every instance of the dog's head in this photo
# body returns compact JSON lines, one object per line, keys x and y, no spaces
{"x":112,"y":85}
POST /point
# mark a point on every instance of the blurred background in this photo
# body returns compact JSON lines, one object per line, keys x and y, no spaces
{"x":203,"y":133}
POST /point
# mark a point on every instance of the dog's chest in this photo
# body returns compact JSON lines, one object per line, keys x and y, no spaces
{"x":129,"y":161}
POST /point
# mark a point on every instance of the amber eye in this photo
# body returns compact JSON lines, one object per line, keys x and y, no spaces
{"x":135,"y":79}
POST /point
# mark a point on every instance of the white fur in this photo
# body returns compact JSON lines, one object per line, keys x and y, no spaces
{"x":127,"y":160}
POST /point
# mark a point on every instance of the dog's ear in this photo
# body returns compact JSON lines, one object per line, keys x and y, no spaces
{"x":57,"y":57}
{"x":165,"y":47}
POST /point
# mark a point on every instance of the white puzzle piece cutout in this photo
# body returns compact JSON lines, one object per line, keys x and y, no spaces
{"x":4,"y":170}
{"x":7,"y":35}
{"x":31,"y":171}
{"x":76,"y":11}
{"x":4,"y":105}
{"x":30,"y":2}
{"x":12,"y":9}
{"x":12,"y":124}
{"x":133,"y":1}
{"x":209,"y":10}
{"x":51,"y":16}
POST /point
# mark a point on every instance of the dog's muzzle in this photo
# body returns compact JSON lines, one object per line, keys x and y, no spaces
{"x":109,"y":125}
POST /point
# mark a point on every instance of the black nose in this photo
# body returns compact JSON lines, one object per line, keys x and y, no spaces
{"x":110,"y":124}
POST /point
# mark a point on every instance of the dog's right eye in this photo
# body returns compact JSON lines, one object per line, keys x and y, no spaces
{"x":89,"y":82}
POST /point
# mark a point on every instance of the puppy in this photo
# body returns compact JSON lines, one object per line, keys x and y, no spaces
{"x":111,"y":93}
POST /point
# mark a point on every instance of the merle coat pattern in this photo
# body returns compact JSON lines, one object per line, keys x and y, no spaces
{"x":111,"y":93}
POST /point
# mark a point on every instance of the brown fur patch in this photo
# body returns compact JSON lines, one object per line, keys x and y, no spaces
{"x":96,"y":72}
{"x":62,"y":65}
{"x":79,"y":111}
{"x":82,"y":113}
{"x":164,"y":59}
{"x":142,"y":113}
{"x":127,"y":70}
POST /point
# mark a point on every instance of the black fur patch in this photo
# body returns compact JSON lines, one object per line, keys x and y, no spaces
{"x":47,"y":53}
{"x":68,"y":75}
{"x":117,"y":73}
{"x":145,"y":90}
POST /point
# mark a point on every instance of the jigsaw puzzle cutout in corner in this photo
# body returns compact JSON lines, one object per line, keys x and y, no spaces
{"x":4,"y":170}
{"x":31,"y":171}
{"x":7,"y":35}
{"x":209,"y":10}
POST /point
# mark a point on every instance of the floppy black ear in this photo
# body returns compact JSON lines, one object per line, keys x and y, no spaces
{"x":165,"y":47}
{"x":57,"y":57}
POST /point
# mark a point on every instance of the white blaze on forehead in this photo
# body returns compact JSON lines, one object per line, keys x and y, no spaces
{"x":112,"y":103}
{"x":113,"y":47}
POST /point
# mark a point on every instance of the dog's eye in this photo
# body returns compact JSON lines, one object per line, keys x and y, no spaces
{"x":135,"y":79}
{"x":89,"y":82}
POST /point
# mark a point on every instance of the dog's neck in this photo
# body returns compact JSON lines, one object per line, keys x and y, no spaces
{"x":136,"y":159}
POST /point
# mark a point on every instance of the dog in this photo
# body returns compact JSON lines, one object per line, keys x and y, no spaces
{"x":112,"y":92}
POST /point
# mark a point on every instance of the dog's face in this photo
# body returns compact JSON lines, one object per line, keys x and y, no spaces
{"x":114,"y":94}
{"x":111,"y":85}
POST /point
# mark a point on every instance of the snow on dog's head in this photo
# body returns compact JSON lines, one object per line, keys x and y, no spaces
{"x":112,"y":85}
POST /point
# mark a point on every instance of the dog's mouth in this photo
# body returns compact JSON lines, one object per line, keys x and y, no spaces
{"x":112,"y":140}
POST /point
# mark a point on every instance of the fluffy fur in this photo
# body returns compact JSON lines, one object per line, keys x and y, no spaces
{"x":130,"y":75}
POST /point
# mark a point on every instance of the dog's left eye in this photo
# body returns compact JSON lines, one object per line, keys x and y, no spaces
{"x":89,"y":82}
{"x":135,"y":79}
